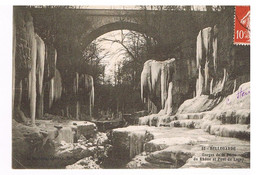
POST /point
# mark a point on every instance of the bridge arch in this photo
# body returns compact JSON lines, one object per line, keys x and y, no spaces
{"x":150,"y":31}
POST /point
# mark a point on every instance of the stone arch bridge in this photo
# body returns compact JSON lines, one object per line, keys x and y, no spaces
{"x":170,"y":28}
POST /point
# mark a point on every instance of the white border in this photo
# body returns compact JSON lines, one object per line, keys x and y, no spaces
{"x":6,"y":68}
{"x":127,"y":2}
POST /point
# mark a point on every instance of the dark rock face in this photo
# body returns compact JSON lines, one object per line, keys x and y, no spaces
{"x":218,"y":75}
{"x":25,"y":58}
{"x":24,"y":37}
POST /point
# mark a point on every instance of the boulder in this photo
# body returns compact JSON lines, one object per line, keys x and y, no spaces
{"x":171,"y":157}
{"x":87,"y":129}
{"x":51,"y":144}
{"x":29,"y":144}
{"x":68,"y":153}
{"x":128,"y":142}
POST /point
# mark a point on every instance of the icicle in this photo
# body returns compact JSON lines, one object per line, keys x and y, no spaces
{"x":76,"y":84}
{"x":51,"y":93}
{"x":136,"y":142}
{"x":199,"y":49}
{"x":215,"y":48}
{"x":40,"y":62}
{"x":40,"y":74}
{"x":50,"y":62}
{"x":32,"y":79}
{"x":30,"y":37}
{"x":89,"y":87}
{"x":164,"y":76}
{"x":55,"y":88}
{"x":155,"y":79}
{"x":29,"y":85}
{"x":207,"y":78}
{"x":199,"y":61}
{"x":143,"y":84}
{"x":225,"y":76}
{"x":57,"y":85}
{"x":55,"y":57}
{"x":146,"y":80}
{"x":206,"y":39}
{"x":91,"y":97}
{"x":169,"y":99}
{"x":155,"y":75}
{"x":77,"y":110}
{"x":206,"y":57}
{"x":51,"y":72}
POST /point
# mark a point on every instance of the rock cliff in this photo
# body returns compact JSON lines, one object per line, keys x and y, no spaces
{"x":37,"y":82}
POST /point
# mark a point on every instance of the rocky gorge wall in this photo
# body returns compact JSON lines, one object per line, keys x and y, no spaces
{"x":38,"y":86}
{"x":34,"y":68}
{"x":217,"y":69}
{"x":28,"y":51}
{"x":222,"y":67}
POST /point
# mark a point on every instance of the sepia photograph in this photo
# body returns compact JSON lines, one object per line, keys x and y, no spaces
{"x":130,"y":87}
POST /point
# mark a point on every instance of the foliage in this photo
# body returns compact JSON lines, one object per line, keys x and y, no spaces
{"x":121,"y":92}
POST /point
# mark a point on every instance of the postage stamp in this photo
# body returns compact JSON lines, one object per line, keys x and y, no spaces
{"x":242,"y":25}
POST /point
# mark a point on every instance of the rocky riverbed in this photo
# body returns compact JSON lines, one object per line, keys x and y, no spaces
{"x":194,"y":137}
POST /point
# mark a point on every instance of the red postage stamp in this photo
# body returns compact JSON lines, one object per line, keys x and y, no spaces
{"x":242,"y":25}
